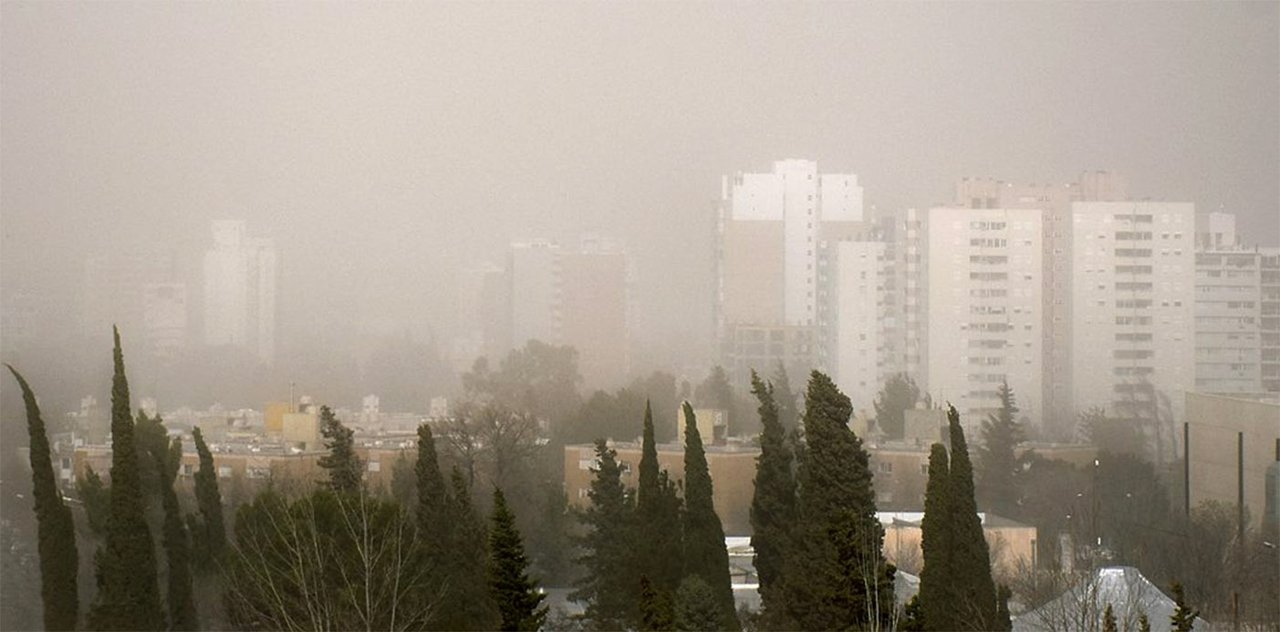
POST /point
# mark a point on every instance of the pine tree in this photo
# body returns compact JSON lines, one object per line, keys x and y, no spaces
{"x":1184,"y":616}
{"x":403,"y":485}
{"x":971,"y":561}
{"x":212,"y":532}
{"x":344,"y":466}
{"x":467,"y":604}
{"x":937,"y":589}
{"x":697,"y":607}
{"x":772,"y":505}
{"x":433,"y":498}
{"x":837,"y":573}
{"x":997,"y":457}
{"x":605,"y":586}
{"x":705,"y":555}
{"x":128,"y":592}
{"x":1109,"y":620}
{"x":515,"y":593}
{"x":55,"y":527}
{"x":898,"y":395}
{"x":658,"y":537}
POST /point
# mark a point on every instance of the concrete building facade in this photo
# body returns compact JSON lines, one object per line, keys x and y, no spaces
{"x":240,"y":283}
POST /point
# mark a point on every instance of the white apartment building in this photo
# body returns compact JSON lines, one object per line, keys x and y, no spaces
{"x":240,"y":279}
{"x":164,"y":320}
{"x":1133,"y":308}
{"x":860,"y":318}
{"x":770,"y":229}
{"x":533,"y":269}
{"x":985,"y":309}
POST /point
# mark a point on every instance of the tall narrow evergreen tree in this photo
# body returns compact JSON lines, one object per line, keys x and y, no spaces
{"x":970,"y":561}
{"x":128,"y":592}
{"x":515,"y":593}
{"x":937,"y":588}
{"x":785,"y":398}
{"x":343,"y":464}
{"x":212,"y":538}
{"x":658,"y":538}
{"x":55,"y":528}
{"x":997,"y":457}
{"x":705,"y":555}
{"x":772,"y":505}
{"x":433,"y":499}
{"x":605,"y":585}
{"x":837,"y":574}
{"x":177,"y":544}
{"x":468,"y":605}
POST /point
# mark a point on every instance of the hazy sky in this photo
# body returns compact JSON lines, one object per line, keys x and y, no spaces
{"x":384,"y":144}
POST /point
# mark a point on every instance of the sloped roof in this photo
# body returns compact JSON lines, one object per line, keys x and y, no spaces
{"x":1081,"y":606}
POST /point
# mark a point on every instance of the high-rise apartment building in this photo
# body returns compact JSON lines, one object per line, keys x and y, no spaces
{"x":165,"y":320}
{"x":986,"y":310}
{"x":1133,"y":308}
{"x":770,"y":229}
{"x":859,"y":310}
{"x":577,"y":297}
{"x":1236,"y":294}
{"x":240,"y":278}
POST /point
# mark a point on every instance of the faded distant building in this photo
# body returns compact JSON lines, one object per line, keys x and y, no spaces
{"x":577,"y":297}
{"x":165,"y":320}
{"x":986,"y":309}
{"x":769,"y":231}
{"x":1216,"y":424}
{"x":482,"y":316}
{"x":1133,"y":307}
{"x":240,"y":279}
{"x":121,"y":286}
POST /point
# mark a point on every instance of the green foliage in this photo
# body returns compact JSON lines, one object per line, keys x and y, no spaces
{"x":997,"y":460}
{"x":607,"y":547}
{"x":937,"y":597}
{"x":697,"y":607}
{"x":466,"y":604}
{"x":785,"y":398}
{"x":657,"y":611}
{"x":837,"y":576}
{"x":128,"y":592}
{"x":898,"y":395}
{"x":177,"y":543}
{"x":1109,"y":620}
{"x":1004,"y":619}
{"x":970,"y":561}
{"x":1144,"y":624}
{"x":658,"y":537}
{"x":716,"y":392}
{"x":912,"y":619}
{"x":327,"y":561}
{"x":705,"y":556}
{"x":515,"y":593}
{"x":539,"y":379}
{"x":97,"y":500}
{"x":56,"y":532}
{"x":344,"y":466}
{"x":210,"y":533}
{"x":772,"y":505}
{"x":1184,"y":616}
{"x":404,"y":488}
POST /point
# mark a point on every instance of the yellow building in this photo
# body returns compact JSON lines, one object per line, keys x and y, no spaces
{"x":1214,"y":424}
{"x":1012,"y":544}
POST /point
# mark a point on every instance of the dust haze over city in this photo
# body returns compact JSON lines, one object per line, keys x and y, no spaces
{"x":377,"y":207}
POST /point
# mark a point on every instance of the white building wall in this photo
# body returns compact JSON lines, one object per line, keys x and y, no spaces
{"x":240,"y":279}
{"x":1133,"y":304}
{"x":985,"y":309}
{"x":860,"y":321}
{"x":534,"y":292}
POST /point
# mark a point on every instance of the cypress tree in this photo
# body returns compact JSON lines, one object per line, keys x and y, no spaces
{"x":470,"y":607}
{"x":970,"y":561}
{"x":212,"y":537}
{"x":937,"y":590}
{"x":837,"y":574}
{"x":177,"y":545}
{"x":657,"y":541}
{"x":433,"y":499}
{"x":515,"y":593}
{"x":697,"y":608}
{"x":997,"y":457}
{"x":344,"y":466}
{"x":785,"y":398}
{"x":1184,"y":616}
{"x":705,"y":555}
{"x":1109,"y":620}
{"x":128,"y":592}
{"x":772,"y":504}
{"x":605,"y":586}
{"x":97,"y":500}
{"x":56,"y":530}
{"x":657,"y":612}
